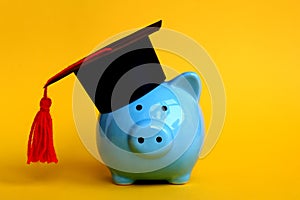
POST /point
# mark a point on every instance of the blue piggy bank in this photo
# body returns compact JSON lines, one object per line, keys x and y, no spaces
{"x":157,"y":137}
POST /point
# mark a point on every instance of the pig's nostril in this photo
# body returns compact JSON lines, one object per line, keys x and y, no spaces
{"x":141,"y":140}
{"x":158,"y":139}
{"x":164,"y":108}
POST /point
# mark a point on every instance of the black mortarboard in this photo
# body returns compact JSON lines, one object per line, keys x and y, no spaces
{"x":113,"y":77}
{"x":130,"y":63}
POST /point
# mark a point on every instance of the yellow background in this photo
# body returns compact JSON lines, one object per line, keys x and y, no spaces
{"x":255,"y":45}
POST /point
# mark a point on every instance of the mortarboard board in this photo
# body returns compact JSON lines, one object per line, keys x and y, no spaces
{"x":113,"y":77}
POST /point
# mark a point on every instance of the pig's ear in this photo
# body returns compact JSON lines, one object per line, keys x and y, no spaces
{"x":190,"y":82}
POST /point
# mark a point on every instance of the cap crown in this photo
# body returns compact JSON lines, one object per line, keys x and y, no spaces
{"x":123,"y":75}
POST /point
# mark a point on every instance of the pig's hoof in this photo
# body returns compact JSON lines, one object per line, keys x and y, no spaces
{"x":181,"y":179}
{"x":121,"y":180}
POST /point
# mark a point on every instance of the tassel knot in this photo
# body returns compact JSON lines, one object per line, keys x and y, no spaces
{"x":45,"y":104}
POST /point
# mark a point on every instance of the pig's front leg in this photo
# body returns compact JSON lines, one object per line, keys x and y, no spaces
{"x":121,"y":180}
{"x":180,"y":179}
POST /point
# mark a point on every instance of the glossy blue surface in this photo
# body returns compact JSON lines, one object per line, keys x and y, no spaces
{"x":157,"y":137}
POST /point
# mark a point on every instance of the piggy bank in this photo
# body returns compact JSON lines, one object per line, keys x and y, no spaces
{"x":157,"y":137}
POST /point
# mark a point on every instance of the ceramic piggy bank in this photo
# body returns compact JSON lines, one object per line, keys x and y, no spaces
{"x":148,"y":129}
{"x":157,"y":137}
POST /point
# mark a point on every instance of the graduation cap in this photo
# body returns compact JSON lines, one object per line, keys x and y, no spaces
{"x":113,"y":77}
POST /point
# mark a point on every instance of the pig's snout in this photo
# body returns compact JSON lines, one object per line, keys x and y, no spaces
{"x":150,"y":138}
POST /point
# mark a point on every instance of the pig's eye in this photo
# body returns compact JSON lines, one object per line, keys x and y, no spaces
{"x":164,"y":108}
{"x":139,"y":107}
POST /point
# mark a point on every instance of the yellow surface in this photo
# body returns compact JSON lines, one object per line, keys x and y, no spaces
{"x":255,"y":45}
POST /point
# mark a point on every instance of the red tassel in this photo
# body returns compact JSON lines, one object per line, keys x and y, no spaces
{"x":40,"y":142}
